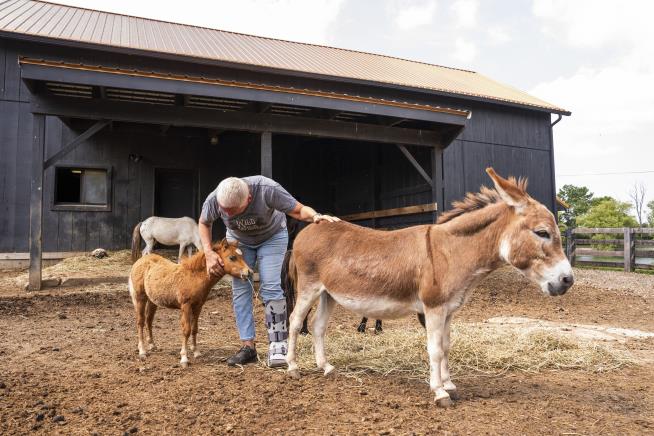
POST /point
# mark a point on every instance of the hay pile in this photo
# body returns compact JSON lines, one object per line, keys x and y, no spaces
{"x":477,"y":349}
{"x":117,"y":263}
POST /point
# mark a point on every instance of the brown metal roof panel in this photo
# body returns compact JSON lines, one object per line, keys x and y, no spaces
{"x":14,"y":15}
{"x":34,"y":15}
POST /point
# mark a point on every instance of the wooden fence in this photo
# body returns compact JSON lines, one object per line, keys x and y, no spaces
{"x":629,"y":248}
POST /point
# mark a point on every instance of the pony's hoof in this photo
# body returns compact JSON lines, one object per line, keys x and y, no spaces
{"x":444,"y":402}
{"x":294,"y":374}
{"x":329,"y":370}
{"x":454,"y":394}
{"x":142,"y":356}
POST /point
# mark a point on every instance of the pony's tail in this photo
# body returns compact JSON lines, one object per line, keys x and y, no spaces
{"x":289,"y":279}
{"x":136,"y":242}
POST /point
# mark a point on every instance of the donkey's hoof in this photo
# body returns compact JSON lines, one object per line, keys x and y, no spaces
{"x":294,"y":373}
{"x":444,"y":402}
{"x":196,"y":354}
{"x":183,"y":364}
{"x":142,"y":356}
{"x":329,"y":370}
{"x":152,"y":347}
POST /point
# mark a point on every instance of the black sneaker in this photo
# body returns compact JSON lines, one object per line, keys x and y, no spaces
{"x":245,"y":355}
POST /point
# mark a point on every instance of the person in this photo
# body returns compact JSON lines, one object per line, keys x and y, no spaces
{"x":254,"y":211}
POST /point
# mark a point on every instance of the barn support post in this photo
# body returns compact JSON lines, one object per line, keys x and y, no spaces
{"x":415,"y":163}
{"x":266,"y":154}
{"x":437,"y":188}
{"x":36,"y":202}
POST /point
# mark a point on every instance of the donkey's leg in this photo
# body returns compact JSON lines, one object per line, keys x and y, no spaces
{"x":435,"y":318}
{"x":186,"y":322}
{"x":445,"y":370}
{"x":150,"y":310}
{"x":378,"y":326}
{"x":362,"y":325}
{"x":140,"y":324}
{"x":194,"y":332}
{"x":308,"y":296}
{"x":320,"y":321}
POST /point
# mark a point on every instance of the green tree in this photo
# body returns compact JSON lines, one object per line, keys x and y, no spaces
{"x":579,"y":199}
{"x":608,"y":213}
{"x":650,"y":216}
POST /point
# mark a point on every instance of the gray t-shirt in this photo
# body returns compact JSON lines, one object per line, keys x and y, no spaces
{"x":264,"y":216}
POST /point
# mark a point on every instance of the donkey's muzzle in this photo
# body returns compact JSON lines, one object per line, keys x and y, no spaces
{"x":561,"y":287}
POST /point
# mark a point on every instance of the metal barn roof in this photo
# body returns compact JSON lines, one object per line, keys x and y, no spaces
{"x":67,"y":23}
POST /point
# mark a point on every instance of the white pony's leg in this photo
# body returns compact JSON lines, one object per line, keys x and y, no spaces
{"x":181,"y":252}
{"x":445,"y":370}
{"x":149,"y":245}
{"x":306,"y":299}
{"x":435,"y":319}
{"x":189,"y":250}
{"x":320,"y":321}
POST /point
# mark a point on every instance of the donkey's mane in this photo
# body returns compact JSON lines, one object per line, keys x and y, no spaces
{"x":479,"y":200}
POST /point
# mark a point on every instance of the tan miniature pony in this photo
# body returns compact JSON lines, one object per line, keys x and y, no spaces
{"x":428,"y":269}
{"x":157,"y":282}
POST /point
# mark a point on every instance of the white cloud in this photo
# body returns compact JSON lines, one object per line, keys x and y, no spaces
{"x":498,"y":35}
{"x":465,"y":13}
{"x":464,"y":50}
{"x":412,"y":16}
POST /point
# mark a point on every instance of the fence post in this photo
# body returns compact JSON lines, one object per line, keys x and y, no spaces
{"x":570,"y":246}
{"x":629,"y":250}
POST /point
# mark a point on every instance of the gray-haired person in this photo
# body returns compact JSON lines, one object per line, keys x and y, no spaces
{"x":254,"y":211}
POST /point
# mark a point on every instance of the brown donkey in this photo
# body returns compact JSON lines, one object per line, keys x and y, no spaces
{"x":428,"y":269}
{"x":157,"y":282}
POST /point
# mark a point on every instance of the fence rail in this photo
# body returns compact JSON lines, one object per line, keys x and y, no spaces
{"x":634,"y":250}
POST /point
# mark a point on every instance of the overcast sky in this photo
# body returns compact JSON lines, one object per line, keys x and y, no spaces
{"x":594,"y":58}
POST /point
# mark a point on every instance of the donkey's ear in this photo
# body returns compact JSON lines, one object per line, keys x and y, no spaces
{"x":508,"y":190}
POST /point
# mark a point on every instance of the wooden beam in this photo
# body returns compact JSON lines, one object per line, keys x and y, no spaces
{"x":266,"y":154}
{"x":191,"y":117}
{"x":415,"y":163}
{"x":437,"y":179}
{"x":409,"y":210}
{"x":36,"y":202}
{"x":95,"y":128}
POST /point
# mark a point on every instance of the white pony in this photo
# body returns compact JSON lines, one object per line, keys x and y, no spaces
{"x":167,"y":231}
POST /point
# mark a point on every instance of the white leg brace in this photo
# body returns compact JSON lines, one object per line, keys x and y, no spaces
{"x":277,"y":332}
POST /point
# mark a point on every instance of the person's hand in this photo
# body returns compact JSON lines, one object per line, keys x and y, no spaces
{"x":214,"y":263}
{"x":320,"y":217}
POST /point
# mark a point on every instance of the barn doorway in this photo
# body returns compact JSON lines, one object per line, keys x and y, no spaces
{"x":175,"y":193}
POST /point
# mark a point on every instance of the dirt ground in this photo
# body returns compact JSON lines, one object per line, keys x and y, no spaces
{"x":70,"y":366}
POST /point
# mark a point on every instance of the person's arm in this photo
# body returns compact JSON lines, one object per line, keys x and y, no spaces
{"x":213,"y":260}
{"x":308,"y":214}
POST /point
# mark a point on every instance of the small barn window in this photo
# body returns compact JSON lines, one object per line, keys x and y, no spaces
{"x":82,"y":189}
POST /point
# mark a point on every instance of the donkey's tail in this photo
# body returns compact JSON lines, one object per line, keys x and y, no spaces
{"x":136,"y":242}
{"x":289,"y":279}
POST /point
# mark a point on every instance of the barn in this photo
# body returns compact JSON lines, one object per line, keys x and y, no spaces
{"x":106,"y":119}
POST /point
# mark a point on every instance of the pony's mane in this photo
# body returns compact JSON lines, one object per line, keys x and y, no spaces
{"x":195,"y":262}
{"x":479,"y":200}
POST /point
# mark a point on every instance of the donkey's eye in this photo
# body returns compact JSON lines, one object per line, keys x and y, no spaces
{"x":543,"y":233}
{"x":232,"y":258}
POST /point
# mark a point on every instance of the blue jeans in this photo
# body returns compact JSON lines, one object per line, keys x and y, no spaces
{"x":270,"y":256}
